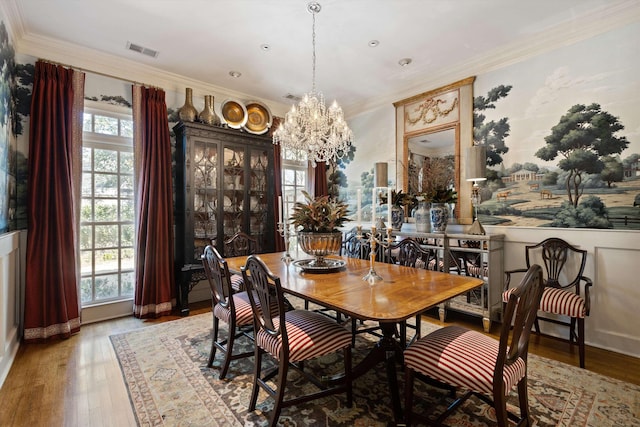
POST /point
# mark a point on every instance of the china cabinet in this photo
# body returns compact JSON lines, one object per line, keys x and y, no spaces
{"x":224,"y":185}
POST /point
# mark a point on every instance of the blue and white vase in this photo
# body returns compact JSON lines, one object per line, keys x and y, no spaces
{"x":397,"y":217}
{"x":439,"y":217}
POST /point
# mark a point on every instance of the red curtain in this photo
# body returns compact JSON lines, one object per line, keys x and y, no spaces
{"x":320,"y":184}
{"x":55,"y":139}
{"x":154,"y":286}
{"x":278,"y":184}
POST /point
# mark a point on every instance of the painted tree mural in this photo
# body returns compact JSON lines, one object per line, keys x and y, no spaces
{"x":582,"y":137}
{"x":492,"y":133}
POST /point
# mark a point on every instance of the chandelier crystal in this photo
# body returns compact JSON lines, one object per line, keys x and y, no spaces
{"x":311,"y":127}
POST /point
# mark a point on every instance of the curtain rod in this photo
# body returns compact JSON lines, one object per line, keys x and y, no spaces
{"x":73,"y":67}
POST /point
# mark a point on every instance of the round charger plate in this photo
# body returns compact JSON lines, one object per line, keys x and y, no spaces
{"x":259,"y":118}
{"x":234,"y":113}
{"x":332,"y":265}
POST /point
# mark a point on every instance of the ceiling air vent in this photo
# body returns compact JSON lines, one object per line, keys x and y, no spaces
{"x":292,"y":97}
{"x":143,"y":50}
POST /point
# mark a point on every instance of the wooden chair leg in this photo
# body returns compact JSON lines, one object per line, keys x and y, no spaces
{"x":500,"y":406}
{"x":214,"y":338}
{"x":523,"y":398}
{"x":279,"y":397}
{"x":408,"y":395}
{"x":228,"y":353}
{"x":581,"y":341}
{"x":257,"y":368}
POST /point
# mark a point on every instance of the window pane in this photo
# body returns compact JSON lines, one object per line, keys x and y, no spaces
{"x":106,"y":185}
{"x":106,"y":236}
{"x":85,"y":237}
{"x":86,"y":122}
{"x":106,"y":210}
{"x":106,"y":260}
{"x":86,"y":289}
{"x":86,"y":261}
{"x":127,"y":259}
{"x":126,"y":210}
{"x":86,"y":213}
{"x":107,"y":286}
{"x":105,"y":161}
{"x":301,"y":177}
{"x":105,"y":125}
{"x":289,"y":177}
{"x":126,"y":186}
{"x":126,"y":239}
{"x":86,"y":184}
{"x":126,"y":162}
{"x":126,"y":128}
{"x":86,"y":158}
{"x":127,"y":280}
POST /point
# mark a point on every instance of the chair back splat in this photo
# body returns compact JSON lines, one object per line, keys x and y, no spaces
{"x":227,"y":304}
{"x":291,"y":337}
{"x":567,"y":289}
{"x":457,"y":357}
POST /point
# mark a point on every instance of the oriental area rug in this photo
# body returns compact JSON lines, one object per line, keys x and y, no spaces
{"x":164,"y":367}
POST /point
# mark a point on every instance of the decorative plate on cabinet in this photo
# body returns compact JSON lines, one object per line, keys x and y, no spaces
{"x":258,"y":118}
{"x":234,"y":113}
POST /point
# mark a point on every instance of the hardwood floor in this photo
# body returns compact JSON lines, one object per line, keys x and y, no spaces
{"x":77,"y":382}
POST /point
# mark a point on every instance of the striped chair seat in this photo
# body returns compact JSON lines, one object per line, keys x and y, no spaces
{"x":310,"y":335}
{"x":452,"y":355}
{"x":244,"y":313}
{"x":432,"y":265}
{"x":237,"y":282}
{"x":558,"y":301}
{"x":477,"y":270}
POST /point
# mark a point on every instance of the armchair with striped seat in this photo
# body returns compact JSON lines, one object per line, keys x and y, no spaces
{"x":566,"y":291}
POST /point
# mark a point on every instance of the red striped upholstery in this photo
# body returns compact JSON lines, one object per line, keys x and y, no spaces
{"x":558,"y":301}
{"x":478,"y":271}
{"x":310,"y":335}
{"x":461,"y":358}
{"x":244,"y":313}
{"x":237,"y":282}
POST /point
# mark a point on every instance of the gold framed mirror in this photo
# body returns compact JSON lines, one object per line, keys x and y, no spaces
{"x":433,"y":131}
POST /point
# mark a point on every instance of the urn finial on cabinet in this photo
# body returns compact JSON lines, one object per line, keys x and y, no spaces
{"x":208,"y":115}
{"x":188,"y":112}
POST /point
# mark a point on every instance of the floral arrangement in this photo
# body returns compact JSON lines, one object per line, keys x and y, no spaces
{"x":321,"y":214}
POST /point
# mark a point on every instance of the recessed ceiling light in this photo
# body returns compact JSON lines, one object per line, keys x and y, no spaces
{"x":373,"y":43}
{"x":265,"y":47}
{"x":235,"y":74}
{"x":404,"y":62}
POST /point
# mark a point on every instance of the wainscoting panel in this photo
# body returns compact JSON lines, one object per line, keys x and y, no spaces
{"x":11,"y":296}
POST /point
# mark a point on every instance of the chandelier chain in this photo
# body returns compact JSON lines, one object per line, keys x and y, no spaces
{"x":313,"y":129}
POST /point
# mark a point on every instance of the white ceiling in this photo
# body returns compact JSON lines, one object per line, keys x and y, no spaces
{"x":203,"y":40}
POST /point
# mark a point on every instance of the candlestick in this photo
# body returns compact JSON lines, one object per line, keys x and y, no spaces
{"x":388,"y":206}
{"x":359,"y":198}
{"x":373,"y":206}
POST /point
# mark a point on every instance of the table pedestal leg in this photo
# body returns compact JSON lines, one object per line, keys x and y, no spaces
{"x":388,"y":350}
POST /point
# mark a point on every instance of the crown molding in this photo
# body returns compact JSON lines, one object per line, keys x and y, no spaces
{"x":92,"y":61}
{"x":580,"y":28}
{"x":10,"y":9}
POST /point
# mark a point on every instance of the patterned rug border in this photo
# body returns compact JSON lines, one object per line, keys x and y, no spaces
{"x":191,"y":394}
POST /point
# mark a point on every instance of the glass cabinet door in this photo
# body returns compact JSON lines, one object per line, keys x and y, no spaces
{"x":258,"y":195}
{"x":233,"y":190}
{"x":205,"y":195}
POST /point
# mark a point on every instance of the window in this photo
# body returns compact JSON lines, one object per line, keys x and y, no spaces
{"x":294,"y":178}
{"x":107,"y":207}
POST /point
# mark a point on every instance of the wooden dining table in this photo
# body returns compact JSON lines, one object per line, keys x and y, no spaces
{"x":403,"y":293}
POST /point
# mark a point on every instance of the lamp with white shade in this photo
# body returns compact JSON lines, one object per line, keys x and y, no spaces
{"x":476,"y":171}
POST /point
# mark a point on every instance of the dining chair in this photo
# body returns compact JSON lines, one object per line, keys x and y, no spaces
{"x":409,"y":253}
{"x":291,"y":338}
{"x":484,"y":367}
{"x":241,"y":244}
{"x":233,"y":308}
{"x":566,"y":291}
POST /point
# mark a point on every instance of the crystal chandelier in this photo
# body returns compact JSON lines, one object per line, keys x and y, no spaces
{"x":311,"y":127}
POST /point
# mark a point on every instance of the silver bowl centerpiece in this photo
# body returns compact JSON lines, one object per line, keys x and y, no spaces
{"x":319,"y":220}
